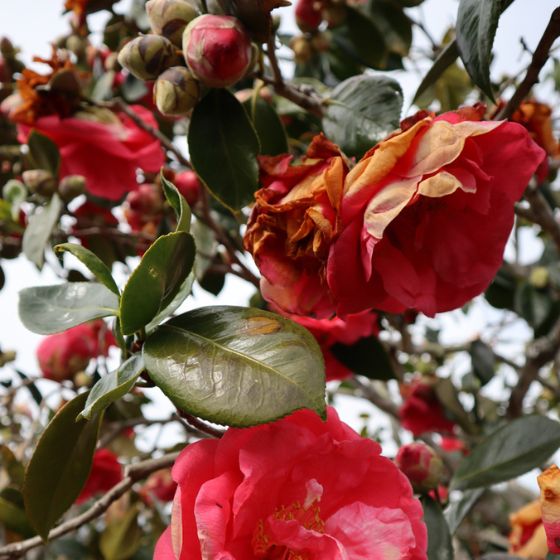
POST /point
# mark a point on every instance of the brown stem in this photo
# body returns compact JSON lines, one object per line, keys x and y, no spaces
{"x":134,"y":473}
{"x":370,"y":394}
{"x":201,"y":426}
{"x":540,"y":56}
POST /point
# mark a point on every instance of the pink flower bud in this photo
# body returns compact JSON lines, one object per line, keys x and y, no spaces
{"x":422,"y":466}
{"x":217,"y":50}
{"x":188,"y":184}
{"x":308,"y":15}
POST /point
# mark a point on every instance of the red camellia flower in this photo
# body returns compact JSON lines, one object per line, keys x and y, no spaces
{"x":106,"y":152}
{"x":420,"y":222}
{"x":295,"y":488}
{"x":62,"y":355}
{"x":161,"y":485}
{"x":421,"y":411}
{"x":106,"y":472}
{"x":549,"y":483}
{"x":329,"y":332}
{"x":188,"y":184}
{"x":420,"y":463}
{"x":527,"y":538}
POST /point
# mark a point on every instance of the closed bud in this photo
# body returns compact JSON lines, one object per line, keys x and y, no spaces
{"x":39,"y":181}
{"x":217,"y":50}
{"x":146,"y":57}
{"x":303,"y":51}
{"x":308,"y":15}
{"x":421,"y":465}
{"x":176,"y":92}
{"x":170,"y":17}
{"x":72,"y":186}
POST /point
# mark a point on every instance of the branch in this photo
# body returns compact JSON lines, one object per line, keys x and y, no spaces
{"x":540,"y":56}
{"x":201,"y":426}
{"x":370,"y":394}
{"x":542,"y":351}
{"x":134,"y":473}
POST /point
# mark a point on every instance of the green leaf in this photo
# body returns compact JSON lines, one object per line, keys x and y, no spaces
{"x":59,"y":466}
{"x":31,"y":387}
{"x":501,"y":292}
{"x":366,"y":357}
{"x":12,"y":467}
{"x":96,"y":266}
{"x":444,"y":60}
{"x":440,"y":546}
{"x":448,"y":397}
{"x":509,"y":452}
{"x":268,"y":125}
{"x":236,"y":366}
{"x":483,"y":361}
{"x":477,"y":22}
{"x":52,"y":309}
{"x":39,"y":229}
{"x":113,"y":386}
{"x":533,"y":305}
{"x":224,"y":146}
{"x":123,"y":537}
{"x":43,"y":152}
{"x":363,"y":110}
{"x":457,"y":511}
{"x":13,"y":517}
{"x":179,"y":204}
{"x":156,"y":280}
{"x":14,"y":192}
{"x":393,"y":23}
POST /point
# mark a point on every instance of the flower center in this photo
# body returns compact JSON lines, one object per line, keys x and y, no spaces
{"x":265,"y":547}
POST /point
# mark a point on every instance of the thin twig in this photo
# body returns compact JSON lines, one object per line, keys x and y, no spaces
{"x":201,"y":426}
{"x":133,"y":474}
{"x":540,"y":56}
{"x":370,"y":394}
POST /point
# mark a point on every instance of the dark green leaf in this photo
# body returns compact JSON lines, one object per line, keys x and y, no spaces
{"x":362,"y":111}
{"x":236,"y":366}
{"x":156,"y":280}
{"x":13,"y":517}
{"x":393,"y":23}
{"x":96,"y":266}
{"x":457,"y":511}
{"x":448,"y":397}
{"x":31,"y":387}
{"x":483,"y":361}
{"x":501,"y":293}
{"x":366,"y":357}
{"x":52,"y":309}
{"x":440,"y":546}
{"x":509,"y":452}
{"x":39,"y":229}
{"x":533,"y":305}
{"x":60,"y":465}
{"x":13,"y":468}
{"x":444,"y":60}
{"x":113,"y":386}
{"x":477,"y":22}
{"x":178,"y":203}
{"x":223,"y":146}
{"x":268,"y":125}
{"x":122,"y":538}
{"x":43,"y":152}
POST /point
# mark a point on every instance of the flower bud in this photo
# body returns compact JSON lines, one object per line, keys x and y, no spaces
{"x":71,"y":186}
{"x":176,"y":92}
{"x":188,"y":184}
{"x":421,"y":465}
{"x":147,"y":56}
{"x":170,"y":17}
{"x":217,"y":50}
{"x":302,"y":48}
{"x":39,"y":181}
{"x":308,"y":15}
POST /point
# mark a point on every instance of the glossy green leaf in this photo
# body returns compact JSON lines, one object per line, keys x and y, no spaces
{"x":60,"y":465}
{"x":43,"y":152}
{"x":39,"y":229}
{"x":448,"y":397}
{"x":224,"y":146}
{"x":477,"y":22}
{"x":483,"y":361}
{"x":456,"y":512}
{"x":236,"y":366}
{"x":96,"y":266}
{"x":123,"y":537}
{"x":178,"y":203}
{"x":52,"y":309}
{"x":156,"y":280}
{"x":113,"y":386}
{"x":444,"y":60}
{"x":366,"y":357}
{"x":509,"y":452}
{"x":268,"y":125}
{"x":440,"y":546}
{"x":362,"y":110}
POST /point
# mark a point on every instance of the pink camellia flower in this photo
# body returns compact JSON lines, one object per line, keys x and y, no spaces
{"x":421,"y":411}
{"x":217,"y":50}
{"x":295,"y":488}
{"x":106,"y":148}
{"x":329,"y":332}
{"x":549,"y":483}
{"x":106,"y":472}
{"x":62,"y":355}
{"x":421,"y":464}
{"x":420,"y":222}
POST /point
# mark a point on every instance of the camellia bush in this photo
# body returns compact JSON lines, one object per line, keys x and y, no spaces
{"x":197,"y":141}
